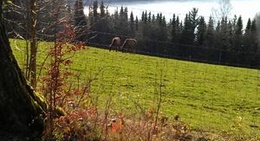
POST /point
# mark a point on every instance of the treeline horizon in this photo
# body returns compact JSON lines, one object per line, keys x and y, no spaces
{"x":195,"y":38}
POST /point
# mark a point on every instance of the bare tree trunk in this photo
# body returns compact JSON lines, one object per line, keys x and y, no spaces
{"x":21,"y":110}
{"x":33,"y":51}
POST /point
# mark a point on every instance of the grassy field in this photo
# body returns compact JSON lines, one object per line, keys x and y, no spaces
{"x":207,"y":97}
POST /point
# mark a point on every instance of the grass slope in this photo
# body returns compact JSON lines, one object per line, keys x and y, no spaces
{"x":207,"y":97}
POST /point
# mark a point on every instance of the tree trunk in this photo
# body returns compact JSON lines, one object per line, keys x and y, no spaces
{"x":33,"y":53}
{"x":21,"y":110}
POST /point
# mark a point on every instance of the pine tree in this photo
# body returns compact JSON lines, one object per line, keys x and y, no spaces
{"x":239,"y":26}
{"x":136,"y":23}
{"x":80,"y":21}
{"x":254,"y":48}
{"x":174,"y":28}
{"x":185,"y":32}
{"x":190,"y":23}
{"x":149,"y":18}
{"x":115,"y":21}
{"x":248,"y":37}
{"x":210,"y":34}
{"x":248,"y":27}
{"x":249,"y":55}
{"x":103,"y":24}
{"x":144,"y":17}
{"x":225,"y":34}
{"x":178,"y":29}
{"x":161,"y":29}
{"x":123,"y":24}
{"x":145,"y":27}
{"x":132,"y":24}
{"x":237,"y":38}
{"x":102,"y":10}
{"x":93,"y":15}
{"x":201,"y":32}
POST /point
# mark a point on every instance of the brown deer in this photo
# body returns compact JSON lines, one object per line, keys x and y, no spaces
{"x":116,"y":41}
{"x":129,"y":45}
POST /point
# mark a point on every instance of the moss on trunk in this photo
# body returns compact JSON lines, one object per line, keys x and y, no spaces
{"x":21,"y":110}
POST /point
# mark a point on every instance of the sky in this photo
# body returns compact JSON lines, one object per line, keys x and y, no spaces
{"x":245,"y":8}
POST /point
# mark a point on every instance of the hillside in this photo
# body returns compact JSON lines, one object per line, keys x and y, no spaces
{"x":206,"y":97}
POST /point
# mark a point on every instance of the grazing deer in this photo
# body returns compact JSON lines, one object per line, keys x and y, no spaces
{"x":129,"y":45}
{"x":116,"y":41}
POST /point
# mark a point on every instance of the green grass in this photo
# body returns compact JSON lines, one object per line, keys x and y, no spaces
{"x":207,"y":97}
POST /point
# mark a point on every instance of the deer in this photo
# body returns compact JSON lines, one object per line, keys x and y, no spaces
{"x":129,"y":45}
{"x":115,"y":44}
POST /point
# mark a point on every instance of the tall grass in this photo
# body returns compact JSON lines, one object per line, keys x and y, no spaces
{"x":208,"y":98}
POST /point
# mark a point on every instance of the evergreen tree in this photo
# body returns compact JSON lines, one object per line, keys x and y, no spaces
{"x":190,"y":23}
{"x":185,"y":32}
{"x":104,"y":24}
{"x":123,"y":24}
{"x":193,"y":16}
{"x":210,"y":34}
{"x":255,"y":48}
{"x":149,"y":18}
{"x":255,"y":34}
{"x":144,"y":17}
{"x":136,"y":23}
{"x":248,"y":27}
{"x":102,"y":10}
{"x":174,"y":28}
{"x":115,"y":19}
{"x":247,"y":38}
{"x":224,"y":40}
{"x":93,"y":15}
{"x":201,"y":32}
{"x":144,"y":24}
{"x":218,"y":42}
{"x":79,"y":16}
{"x":237,"y":41}
{"x":161,"y":29}
{"x":132,"y":24}
{"x":253,"y":26}
{"x":80,"y":21}
{"x":178,"y":29}
{"x":153,"y":19}
{"x":225,"y":34}
{"x":249,"y":55}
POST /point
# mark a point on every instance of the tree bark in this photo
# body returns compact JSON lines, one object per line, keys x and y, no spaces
{"x":21,"y":110}
{"x":33,"y":53}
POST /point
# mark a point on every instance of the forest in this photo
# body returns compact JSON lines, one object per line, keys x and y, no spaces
{"x":53,"y":93}
{"x":195,"y":38}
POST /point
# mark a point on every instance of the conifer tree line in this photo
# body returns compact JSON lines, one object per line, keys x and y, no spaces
{"x":196,"y":38}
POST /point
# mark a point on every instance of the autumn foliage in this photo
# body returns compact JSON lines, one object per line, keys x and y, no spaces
{"x":71,"y":118}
